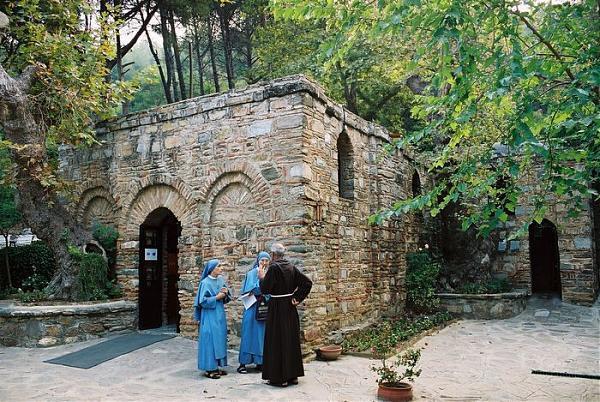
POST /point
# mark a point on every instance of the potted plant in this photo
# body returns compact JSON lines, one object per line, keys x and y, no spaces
{"x":392,"y":374}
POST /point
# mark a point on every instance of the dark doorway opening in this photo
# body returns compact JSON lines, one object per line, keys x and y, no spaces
{"x":545,"y":260}
{"x":158,"y":270}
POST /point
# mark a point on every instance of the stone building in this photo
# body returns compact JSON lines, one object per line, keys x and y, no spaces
{"x":558,"y":256}
{"x":223,"y":176}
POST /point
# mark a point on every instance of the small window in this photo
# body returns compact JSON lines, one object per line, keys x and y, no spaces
{"x":416,"y":184}
{"x":345,"y":166}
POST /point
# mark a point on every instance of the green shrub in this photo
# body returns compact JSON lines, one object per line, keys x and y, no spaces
{"x":35,"y":281}
{"x":23,"y":259}
{"x":398,"y":330}
{"x":107,"y":236}
{"x":33,"y":296}
{"x":492,"y":286}
{"x":93,"y":277}
{"x":421,"y":276}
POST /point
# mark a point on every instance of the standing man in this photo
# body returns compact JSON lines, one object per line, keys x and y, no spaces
{"x":288,"y":287}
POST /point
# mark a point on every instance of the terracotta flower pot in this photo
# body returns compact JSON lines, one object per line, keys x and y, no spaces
{"x":330,"y":352}
{"x":395,"y":392}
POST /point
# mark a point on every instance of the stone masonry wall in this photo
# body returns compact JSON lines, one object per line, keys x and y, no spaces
{"x":240,"y":170}
{"x":359,"y":269}
{"x":43,"y":326}
{"x":578,"y":266}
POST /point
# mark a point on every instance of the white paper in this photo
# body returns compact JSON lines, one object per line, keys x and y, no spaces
{"x":248,"y":299}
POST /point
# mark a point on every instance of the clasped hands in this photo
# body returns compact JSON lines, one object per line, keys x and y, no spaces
{"x":222,"y":293}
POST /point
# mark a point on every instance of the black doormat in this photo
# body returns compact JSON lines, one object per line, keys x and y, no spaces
{"x":107,"y":350}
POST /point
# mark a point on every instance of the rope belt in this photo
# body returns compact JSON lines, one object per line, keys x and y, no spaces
{"x":277,"y":296}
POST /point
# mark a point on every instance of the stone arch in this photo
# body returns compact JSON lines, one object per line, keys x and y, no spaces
{"x":235,"y":227}
{"x":232,"y":172}
{"x":133,"y":188}
{"x":345,"y":155}
{"x":96,"y":203}
{"x":152,"y":197}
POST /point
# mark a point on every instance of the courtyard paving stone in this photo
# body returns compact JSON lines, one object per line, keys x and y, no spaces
{"x":467,"y":361}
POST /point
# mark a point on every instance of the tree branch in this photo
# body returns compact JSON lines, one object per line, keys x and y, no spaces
{"x":125,"y":49}
{"x":544,"y":41}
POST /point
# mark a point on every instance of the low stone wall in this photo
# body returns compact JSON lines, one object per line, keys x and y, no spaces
{"x":484,"y":306}
{"x":42,"y":326}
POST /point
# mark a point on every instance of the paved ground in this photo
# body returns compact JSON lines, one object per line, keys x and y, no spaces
{"x":469,"y":360}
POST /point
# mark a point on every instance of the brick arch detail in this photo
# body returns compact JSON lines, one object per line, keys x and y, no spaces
{"x":91,"y":191}
{"x":235,"y":172}
{"x":133,"y":189}
{"x":151,"y":197}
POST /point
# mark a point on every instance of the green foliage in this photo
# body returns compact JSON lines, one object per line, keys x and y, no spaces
{"x":421,"y":276}
{"x":493,"y":286}
{"x":524,"y":74}
{"x":150,"y":93}
{"x":70,"y":90}
{"x":400,"y":330}
{"x":34,"y":259}
{"x":93,"y":275}
{"x":9,"y":214}
{"x":391,"y":373}
{"x":365,"y":78}
{"x":385,"y":346}
{"x":32,"y":296}
{"x":35,"y":281}
{"x":107,"y":236}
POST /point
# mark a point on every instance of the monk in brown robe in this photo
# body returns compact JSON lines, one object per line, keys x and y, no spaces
{"x":288,"y":287}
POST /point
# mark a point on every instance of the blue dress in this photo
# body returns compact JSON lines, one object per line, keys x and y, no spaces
{"x":212,"y":332}
{"x":253,"y":331}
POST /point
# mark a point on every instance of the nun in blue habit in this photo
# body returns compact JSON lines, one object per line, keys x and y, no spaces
{"x":209,"y":311}
{"x":253,"y":331}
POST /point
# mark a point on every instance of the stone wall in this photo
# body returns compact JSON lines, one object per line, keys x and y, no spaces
{"x":242,"y":169}
{"x":484,"y":306}
{"x":579,"y":271}
{"x":42,"y":326}
{"x":359,"y":269}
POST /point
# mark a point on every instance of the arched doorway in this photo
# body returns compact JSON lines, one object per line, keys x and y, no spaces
{"x":545,"y":260}
{"x":158,"y":270}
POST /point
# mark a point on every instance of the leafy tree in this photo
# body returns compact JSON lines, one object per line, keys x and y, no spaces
{"x":365,"y":78}
{"x":59,"y":63}
{"x":9,"y":217}
{"x":519,"y":79}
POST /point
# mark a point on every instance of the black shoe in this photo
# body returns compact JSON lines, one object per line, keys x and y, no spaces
{"x":258,"y":367}
{"x":278,"y":384}
{"x":293,"y":381}
{"x":242,"y":369}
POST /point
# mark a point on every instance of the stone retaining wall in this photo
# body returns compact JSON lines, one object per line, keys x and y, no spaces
{"x":484,"y":306}
{"x":42,"y":326}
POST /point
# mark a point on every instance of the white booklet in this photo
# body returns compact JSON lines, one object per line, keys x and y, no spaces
{"x":248,"y":299}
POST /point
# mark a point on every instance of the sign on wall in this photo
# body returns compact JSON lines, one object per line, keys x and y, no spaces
{"x":151,"y":254}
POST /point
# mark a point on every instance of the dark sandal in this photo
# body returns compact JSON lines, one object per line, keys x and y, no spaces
{"x":293,"y":381}
{"x":212,"y":374}
{"x":222,"y":372}
{"x":242,"y":370}
{"x":278,"y":384}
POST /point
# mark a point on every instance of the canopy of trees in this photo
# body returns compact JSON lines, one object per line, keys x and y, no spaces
{"x":461,"y":82}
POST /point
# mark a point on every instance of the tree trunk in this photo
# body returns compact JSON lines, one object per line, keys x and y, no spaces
{"x":227,"y":46}
{"x":120,"y":73}
{"x":42,"y":210}
{"x":199,"y":60}
{"x":213,"y":60}
{"x":6,"y":262}
{"x":160,"y":69}
{"x":177,"y":53}
{"x":164,"y":30}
